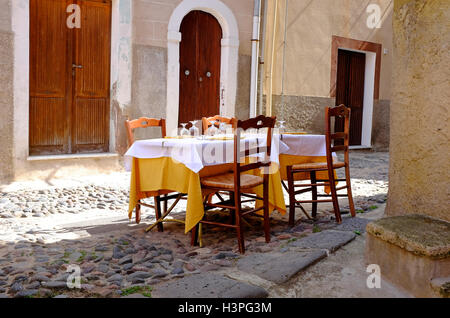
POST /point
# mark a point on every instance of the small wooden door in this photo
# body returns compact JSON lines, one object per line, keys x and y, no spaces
{"x":350,"y":91}
{"x":200,"y":57}
{"x":69,"y":77}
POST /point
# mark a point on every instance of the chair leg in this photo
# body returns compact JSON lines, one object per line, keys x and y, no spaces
{"x":240,"y":234}
{"x":266,"y":208}
{"x":334,"y":197}
{"x":291,"y":189}
{"x":349,"y":192}
{"x":138,"y":212}
{"x":232,"y":215}
{"x":158,"y":213}
{"x":313,"y":178}
{"x":165,"y":204}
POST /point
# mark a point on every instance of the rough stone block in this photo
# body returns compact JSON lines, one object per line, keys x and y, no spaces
{"x":352,"y":224}
{"x":208,"y":286}
{"x":411,"y":251}
{"x":279,"y":267}
{"x":327,"y":240}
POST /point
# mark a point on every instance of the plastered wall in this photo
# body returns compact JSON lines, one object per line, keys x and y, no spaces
{"x":298,"y":59}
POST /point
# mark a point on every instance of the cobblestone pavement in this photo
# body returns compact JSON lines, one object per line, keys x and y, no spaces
{"x":49,"y":231}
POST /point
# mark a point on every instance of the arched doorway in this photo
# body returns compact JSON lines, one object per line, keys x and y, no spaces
{"x":228,"y":63}
{"x":200,"y":59}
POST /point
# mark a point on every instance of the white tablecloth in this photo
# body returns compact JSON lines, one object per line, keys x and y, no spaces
{"x":305,"y":145}
{"x":195,"y":153}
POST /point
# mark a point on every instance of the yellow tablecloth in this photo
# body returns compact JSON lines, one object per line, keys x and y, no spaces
{"x":166,"y":174}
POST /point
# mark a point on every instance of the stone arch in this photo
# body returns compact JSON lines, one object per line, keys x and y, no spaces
{"x":229,"y":56}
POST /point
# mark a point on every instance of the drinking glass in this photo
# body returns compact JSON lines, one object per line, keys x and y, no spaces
{"x":223,"y":128}
{"x":281,"y":126}
{"x":194,"y":131}
{"x":213,"y":130}
{"x":184,"y":131}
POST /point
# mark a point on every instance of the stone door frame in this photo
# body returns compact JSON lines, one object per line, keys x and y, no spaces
{"x":229,"y":57}
{"x":371,"y":81}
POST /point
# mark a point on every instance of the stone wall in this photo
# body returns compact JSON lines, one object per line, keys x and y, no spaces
{"x":6,"y":91}
{"x":419,"y":140}
{"x":302,"y":113}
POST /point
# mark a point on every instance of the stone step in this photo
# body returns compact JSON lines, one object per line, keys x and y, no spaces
{"x":279,"y":267}
{"x":326,"y":240}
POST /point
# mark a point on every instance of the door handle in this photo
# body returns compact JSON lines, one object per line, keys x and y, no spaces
{"x":77,"y":66}
{"x":208,"y":74}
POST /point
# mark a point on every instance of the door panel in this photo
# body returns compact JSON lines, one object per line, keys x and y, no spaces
{"x":65,"y":101}
{"x":200,"y":54}
{"x":47,"y":125}
{"x":91,"y":96}
{"x":90,"y":114}
{"x":50,"y":91}
{"x":350,"y":91}
{"x":356,"y":96}
{"x":209,"y":52}
{"x":188,"y":69}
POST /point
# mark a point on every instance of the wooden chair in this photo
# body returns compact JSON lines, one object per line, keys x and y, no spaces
{"x":332,"y":139}
{"x":206,"y":121}
{"x":239,"y":184}
{"x":162,"y":196}
{"x":205,"y":125}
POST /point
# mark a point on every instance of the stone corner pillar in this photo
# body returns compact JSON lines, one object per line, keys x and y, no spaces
{"x":419,"y":141}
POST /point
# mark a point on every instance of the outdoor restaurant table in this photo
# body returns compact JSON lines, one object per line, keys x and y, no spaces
{"x":178,"y":164}
{"x":303,"y":148}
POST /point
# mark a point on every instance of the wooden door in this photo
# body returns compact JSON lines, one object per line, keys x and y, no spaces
{"x":69,"y":77}
{"x":350,"y":91}
{"x":200,"y":57}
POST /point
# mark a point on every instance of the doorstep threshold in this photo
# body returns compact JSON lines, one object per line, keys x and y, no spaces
{"x":73,"y":156}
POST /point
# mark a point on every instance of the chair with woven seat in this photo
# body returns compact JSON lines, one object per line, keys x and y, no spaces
{"x":333,"y":143}
{"x":239,"y":182}
{"x":163,"y":195}
{"x":206,"y":122}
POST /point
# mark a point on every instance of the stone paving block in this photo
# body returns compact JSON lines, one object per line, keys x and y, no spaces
{"x":207,"y":285}
{"x":352,"y":224}
{"x":326,"y":240}
{"x":279,"y":267}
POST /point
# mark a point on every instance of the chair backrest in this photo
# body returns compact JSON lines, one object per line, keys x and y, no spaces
{"x":206,"y":121}
{"x":143,"y":122}
{"x":243,"y":125}
{"x":343,"y":137}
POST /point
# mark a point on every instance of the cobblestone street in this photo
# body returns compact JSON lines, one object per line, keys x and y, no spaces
{"x":45,"y":228}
